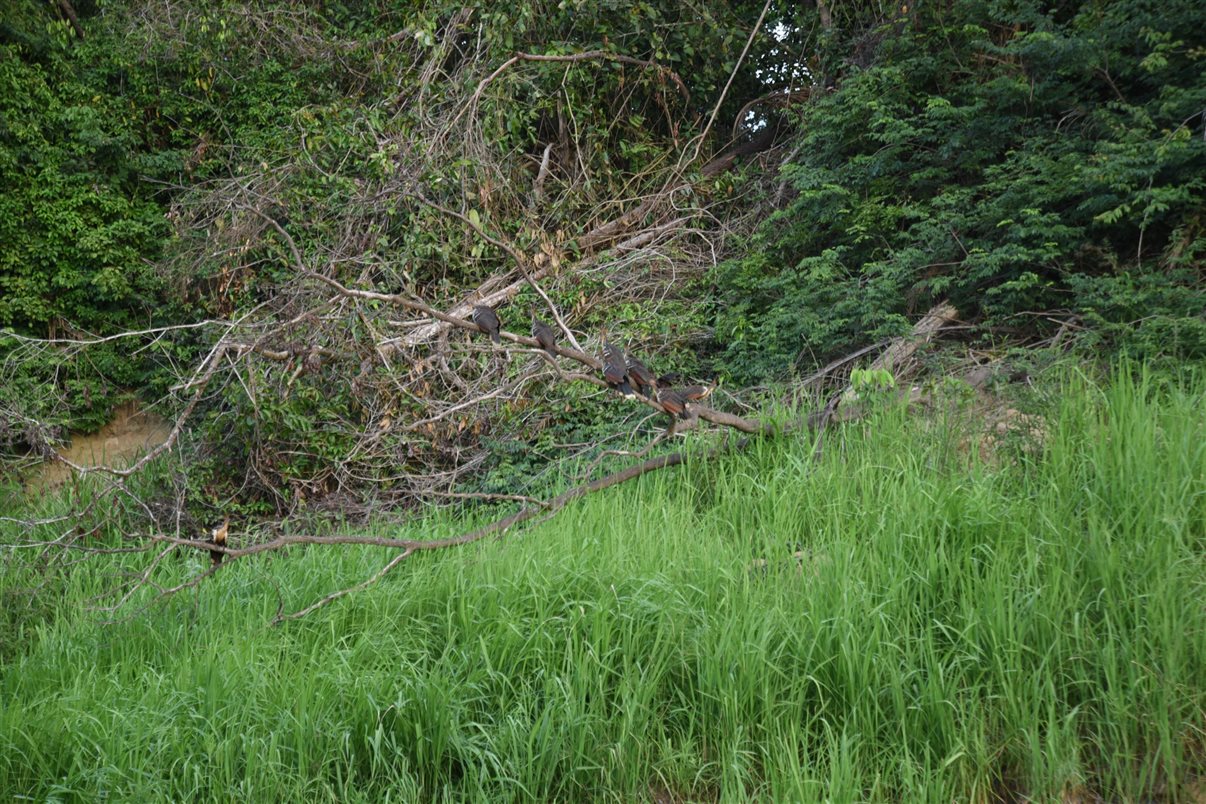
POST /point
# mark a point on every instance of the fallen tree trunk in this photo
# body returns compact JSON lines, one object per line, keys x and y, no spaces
{"x":900,"y":351}
{"x":897,"y":350}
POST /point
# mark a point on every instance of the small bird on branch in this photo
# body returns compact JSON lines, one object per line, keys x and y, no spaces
{"x":615,"y":369}
{"x":487,"y":321}
{"x":218,"y":536}
{"x":694,"y":393}
{"x":691,"y":392}
{"x":545,"y":335}
{"x":641,"y":377}
{"x":674,"y":403}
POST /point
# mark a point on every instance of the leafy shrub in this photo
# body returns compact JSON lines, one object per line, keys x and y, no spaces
{"x":1017,"y":160}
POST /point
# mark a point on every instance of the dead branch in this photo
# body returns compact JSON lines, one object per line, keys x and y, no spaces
{"x":898,"y":353}
{"x":331,"y":598}
{"x":516,"y":254}
{"x":532,"y":509}
{"x":727,"y":419}
{"x":490,"y":292}
{"x":576,"y":57}
{"x":608,"y":232}
{"x":703,"y":136}
{"x":713,"y":416}
{"x":68,"y":11}
{"x":409,"y":546}
{"x":498,"y":526}
{"x":777,"y":99}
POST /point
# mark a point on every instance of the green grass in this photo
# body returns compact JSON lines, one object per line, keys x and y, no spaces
{"x":957,"y":630}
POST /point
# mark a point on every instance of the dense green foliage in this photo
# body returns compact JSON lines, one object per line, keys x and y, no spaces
{"x":79,"y":233}
{"x":80,"y":228}
{"x":1033,"y":162}
{"x":99,"y":138}
{"x":1022,"y":159}
{"x":953,"y":630}
{"x":96,"y":138}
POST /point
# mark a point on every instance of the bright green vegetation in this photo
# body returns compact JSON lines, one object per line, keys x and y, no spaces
{"x":957,"y":629}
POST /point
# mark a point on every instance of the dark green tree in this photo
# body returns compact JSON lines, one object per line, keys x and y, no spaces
{"x":1028,"y":161}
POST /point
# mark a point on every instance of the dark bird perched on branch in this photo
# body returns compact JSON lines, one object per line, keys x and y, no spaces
{"x":674,"y":403}
{"x":487,"y":321}
{"x":545,"y":335}
{"x":691,"y":393}
{"x":677,"y":401}
{"x":218,"y":536}
{"x":615,"y":370}
{"x":641,"y":377}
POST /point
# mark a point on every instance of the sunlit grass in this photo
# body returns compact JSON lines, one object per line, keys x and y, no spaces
{"x":899,"y":620}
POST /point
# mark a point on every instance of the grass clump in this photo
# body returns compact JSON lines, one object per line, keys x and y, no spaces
{"x":901,"y":619}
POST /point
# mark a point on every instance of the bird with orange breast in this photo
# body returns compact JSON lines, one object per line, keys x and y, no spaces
{"x":677,"y":401}
{"x":218,"y":536}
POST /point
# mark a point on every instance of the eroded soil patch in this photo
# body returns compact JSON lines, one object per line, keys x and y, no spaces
{"x":131,"y":433}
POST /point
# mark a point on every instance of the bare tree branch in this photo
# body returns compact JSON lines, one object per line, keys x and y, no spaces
{"x":703,"y":136}
{"x":68,"y":11}
{"x":575,"y":57}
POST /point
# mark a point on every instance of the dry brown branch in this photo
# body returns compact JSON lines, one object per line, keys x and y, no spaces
{"x":488,"y":293}
{"x":713,"y":416}
{"x":576,"y":57}
{"x":898,"y":353}
{"x":331,"y":598}
{"x":532,"y":510}
{"x":498,"y":526}
{"x":465,"y":495}
{"x":495,"y":293}
{"x":726,"y":419}
{"x":703,"y":136}
{"x":777,"y":99}
{"x":828,"y":369}
{"x":520,"y":263}
{"x":655,"y":206}
{"x":68,"y":11}
{"x":649,"y":213}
